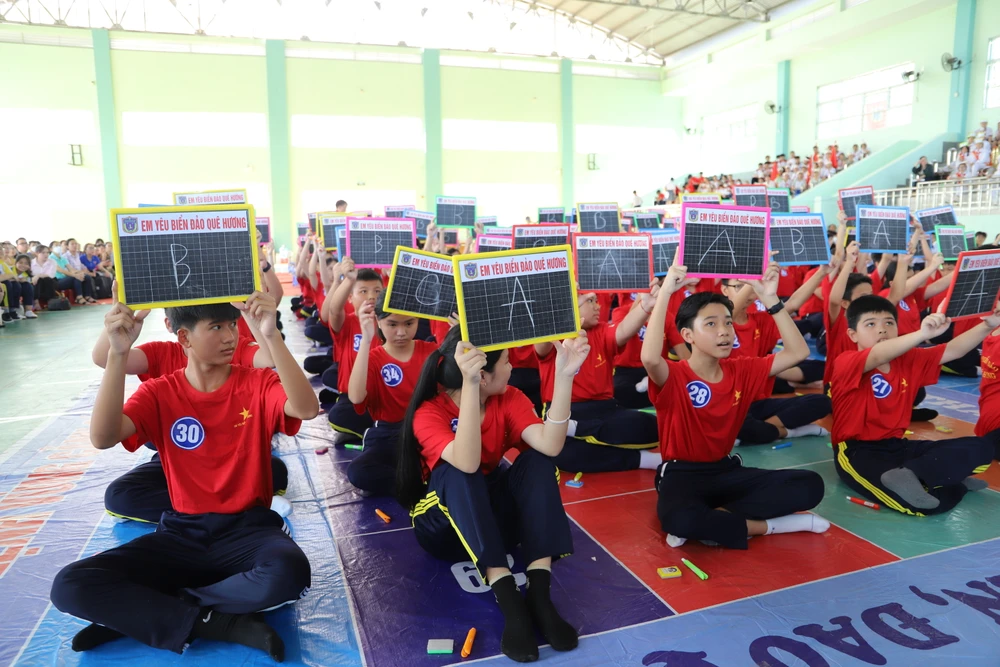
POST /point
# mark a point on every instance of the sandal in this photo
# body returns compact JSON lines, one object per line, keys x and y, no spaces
{"x":80,"y":301}
{"x":91,"y":300}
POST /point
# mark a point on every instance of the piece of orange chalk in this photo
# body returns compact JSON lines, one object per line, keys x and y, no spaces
{"x":382,"y":515}
{"x":469,"y":639}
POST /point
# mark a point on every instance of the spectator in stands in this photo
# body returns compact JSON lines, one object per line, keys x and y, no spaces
{"x":673,"y":192}
{"x":636,"y":200}
{"x":43,"y":274}
{"x":980,"y":238}
{"x":923,"y":170}
{"x":864,"y":151}
{"x":72,"y":275}
{"x":102,"y":277}
{"x":959,"y":173}
{"x":661,"y":198}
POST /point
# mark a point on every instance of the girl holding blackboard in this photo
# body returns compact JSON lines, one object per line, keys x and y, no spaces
{"x":461,"y":420}
{"x":383,"y":379}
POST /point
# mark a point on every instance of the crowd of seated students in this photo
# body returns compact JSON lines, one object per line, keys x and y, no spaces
{"x":978,"y":156}
{"x":792,"y":171}
{"x":434,"y":416}
{"x":32,"y":274}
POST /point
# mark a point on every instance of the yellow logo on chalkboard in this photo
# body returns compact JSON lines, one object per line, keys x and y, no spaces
{"x":130,"y":224}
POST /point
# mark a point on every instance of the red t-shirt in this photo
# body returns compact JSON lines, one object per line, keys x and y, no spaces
{"x":837,"y":343}
{"x":698,"y":420}
{"x":163,"y":357}
{"x":440,"y":329}
{"x":345,"y":348}
{"x":908,"y":309}
{"x":630,"y":355}
{"x":391,"y":382}
{"x":789,"y":280}
{"x":813,"y":304}
{"x":216,"y":446}
{"x":308,"y":293}
{"x":989,"y":386}
{"x":877,"y":405}
{"x":523,"y":357}
{"x":507,"y":415}
{"x":756,"y":338}
{"x":594,"y":381}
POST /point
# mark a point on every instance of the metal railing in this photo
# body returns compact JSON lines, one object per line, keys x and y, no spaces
{"x":977,"y":196}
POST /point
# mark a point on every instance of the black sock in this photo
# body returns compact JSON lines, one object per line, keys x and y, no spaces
{"x":518,"y":640}
{"x":246,"y":629}
{"x":560,"y":634}
{"x":93,"y":636}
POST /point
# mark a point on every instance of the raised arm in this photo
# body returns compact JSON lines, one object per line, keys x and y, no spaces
{"x":637,"y":316}
{"x":334,"y":305}
{"x":108,"y":425}
{"x":656,"y":366}
{"x":914,"y":282}
{"x":549,"y":436}
{"x":933,"y":325}
{"x":961,"y":345}
{"x":465,"y":452}
{"x":938,"y":286}
{"x":795,"y":349}
{"x":136,"y":363}
{"x":269,"y":281}
{"x":840,"y":284}
{"x":357,"y":388}
{"x":897,"y":289}
{"x":259,"y":311}
{"x":806,"y":289}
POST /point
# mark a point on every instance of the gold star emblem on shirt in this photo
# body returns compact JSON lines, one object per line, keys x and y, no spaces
{"x":245,"y":414}
{"x":736,"y":397}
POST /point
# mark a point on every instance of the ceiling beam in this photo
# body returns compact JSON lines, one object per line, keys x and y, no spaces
{"x":672,"y":35}
{"x":689,"y":7}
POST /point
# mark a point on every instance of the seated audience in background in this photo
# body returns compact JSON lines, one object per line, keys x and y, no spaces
{"x":43,"y":271}
{"x":72,"y":275}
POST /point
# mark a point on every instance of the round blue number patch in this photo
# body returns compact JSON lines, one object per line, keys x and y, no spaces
{"x":642,"y":332}
{"x":392,"y":375}
{"x":880,"y":386}
{"x":357,"y":342}
{"x":736,"y":342}
{"x":454,"y":425}
{"x":187,"y":433}
{"x":699,"y":392}
{"x":905,"y":306}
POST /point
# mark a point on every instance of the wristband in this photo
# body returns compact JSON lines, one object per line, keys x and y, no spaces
{"x":555,"y":421}
{"x":776,"y":308}
{"x":267,"y":268}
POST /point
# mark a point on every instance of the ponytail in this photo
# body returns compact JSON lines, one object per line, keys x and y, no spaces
{"x":440,"y":368}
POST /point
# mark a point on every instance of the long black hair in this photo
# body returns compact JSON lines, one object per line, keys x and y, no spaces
{"x":439,"y":369}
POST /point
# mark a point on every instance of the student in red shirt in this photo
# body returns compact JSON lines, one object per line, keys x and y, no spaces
{"x":524,"y":374}
{"x":461,"y":420}
{"x":356,"y":288}
{"x":988,"y":425}
{"x":838,"y":295}
{"x":382,"y":381}
{"x":602,"y":436}
{"x":704,"y":492}
{"x":630,"y":376}
{"x":872,"y":398}
{"x":220,"y":556}
{"x":755,"y":335}
{"x":141,"y":493}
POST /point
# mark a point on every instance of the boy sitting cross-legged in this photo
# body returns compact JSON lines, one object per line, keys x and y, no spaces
{"x":872,"y":390}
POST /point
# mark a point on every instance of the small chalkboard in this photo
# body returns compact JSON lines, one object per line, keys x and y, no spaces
{"x":456,"y":211}
{"x":974,"y":286}
{"x":421,"y":218}
{"x":750,"y":195}
{"x":950,"y":240}
{"x":328,"y":223}
{"x":701,"y":198}
{"x":341,"y":231}
{"x":360,"y":214}
{"x":498,"y":230}
{"x":647,"y":221}
{"x":487,"y":221}
{"x":302,"y":229}
{"x":312,"y":222}
{"x":779,"y":200}
{"x":571,"y":218}
{"x":932,"y":217}
{"x":552,"y":214}
{"x":492,"y":242}
{"x":800,"y":209}
{"x":613,"y":262}
{"x":672,"y":223}
{"x":600,"y":218}
{"x":372,"y":242}
{"x":665,"y":242}
{"x":450,"y":237}
{"x":851,"y":198}
{"x":724,"y":241}
{"x":397,"y":210}
{"x":264,"y":227}
{"x":970,"y":240}
{"x":422,"y":284}
{"x":883,"y":229}
{"x":540,"y":236}
{"x":210,"y":198}
{"x":185,"y":255}
{"x":517,"y":297}
{"x":800,"y":239}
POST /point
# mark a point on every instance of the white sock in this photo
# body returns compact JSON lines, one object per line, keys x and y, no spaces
{"x":736,"y":443}
{"x":797,"y":523}
{"x":571,"y":428}
{"x":280,"y":506}
{"x":674,"y":541}
{"x":808,"y":429}
{"x":649,"y":459}
{"x":643,"y":386}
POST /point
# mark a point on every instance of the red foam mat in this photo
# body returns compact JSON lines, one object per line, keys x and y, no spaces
{"x":627,"y":527}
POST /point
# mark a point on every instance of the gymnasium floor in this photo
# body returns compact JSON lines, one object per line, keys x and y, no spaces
{"x":878,"y":588}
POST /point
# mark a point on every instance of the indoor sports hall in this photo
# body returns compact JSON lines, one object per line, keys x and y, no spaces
{"x":578,"y":113}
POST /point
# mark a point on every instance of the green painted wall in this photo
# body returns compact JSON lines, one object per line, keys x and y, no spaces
{"x":987,"y":27}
